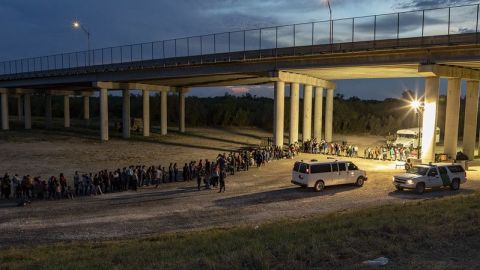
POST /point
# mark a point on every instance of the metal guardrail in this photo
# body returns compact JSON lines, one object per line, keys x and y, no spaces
{"x":428,"y":23}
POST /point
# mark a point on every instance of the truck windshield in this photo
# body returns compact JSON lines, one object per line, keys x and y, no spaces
{"x":406,"y":136}
{"x":418,"y":170}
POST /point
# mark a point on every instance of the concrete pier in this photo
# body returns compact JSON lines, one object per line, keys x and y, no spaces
{"x":126,"y":113}
{"x":430,"y":119}
{"x":279,"y":100}
{"x":4,"y":100}
{"x":470,"y":124}
{"x":66,"y":111}
{"x":181,"y":108}
{"x":86,"y":108}
{"x":27,"y":111}
{"x":48,"y":111}
{"x":307,"y":113}
{"x":19,"y":108}
{"x":104,"y":114}
{"x":163,"y":112}
{"x":294,"y":112}
{"x":452,"y":117}
{"x":146,"y":113}
{"x":318,"y":113}
{"x":329,"y":116}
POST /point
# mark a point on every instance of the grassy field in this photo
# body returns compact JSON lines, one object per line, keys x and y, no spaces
{"x":435,"y":234}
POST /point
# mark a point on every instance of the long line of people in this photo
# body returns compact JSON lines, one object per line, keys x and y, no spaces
{"x":207,"y":173}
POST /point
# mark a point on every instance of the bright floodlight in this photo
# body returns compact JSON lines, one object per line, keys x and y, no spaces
{"x":415,"y":104}
{"x":76,"y":24}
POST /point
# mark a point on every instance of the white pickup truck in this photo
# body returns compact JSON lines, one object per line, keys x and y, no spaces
{"x":420,"y":177}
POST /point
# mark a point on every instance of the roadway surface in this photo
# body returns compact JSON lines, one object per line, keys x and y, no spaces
{"x":251,"y":198}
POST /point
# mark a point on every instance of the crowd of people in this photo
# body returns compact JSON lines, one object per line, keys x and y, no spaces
{"x":329,"y":148}
{"x":207,"y":173}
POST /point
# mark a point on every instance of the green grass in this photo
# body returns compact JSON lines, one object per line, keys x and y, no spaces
{"x":434,"y":234}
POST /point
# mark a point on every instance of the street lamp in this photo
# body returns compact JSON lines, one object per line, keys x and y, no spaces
{"x":331,"y":21}
{"x":418,"y":107}
{"x":78,"y":25}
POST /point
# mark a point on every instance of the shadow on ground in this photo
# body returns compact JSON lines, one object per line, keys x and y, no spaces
{"x":281,"y":195}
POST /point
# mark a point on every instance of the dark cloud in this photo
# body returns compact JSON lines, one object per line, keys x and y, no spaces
{"x":425,"y":4}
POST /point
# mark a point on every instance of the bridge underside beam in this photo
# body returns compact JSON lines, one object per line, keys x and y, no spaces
{"x":121,"y":85}
{"x":446,"y":71}
{"x":290,"y":77}
{"x":22,"y":91}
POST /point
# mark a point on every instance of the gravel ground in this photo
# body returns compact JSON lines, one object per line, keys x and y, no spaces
{"x":252,"y":198}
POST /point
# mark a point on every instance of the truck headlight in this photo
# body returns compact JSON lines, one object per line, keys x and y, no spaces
{"x":409,"y":182}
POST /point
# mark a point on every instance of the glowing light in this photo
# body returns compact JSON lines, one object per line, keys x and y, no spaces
{"x":415,"y":104}
{"x":76,"y":24}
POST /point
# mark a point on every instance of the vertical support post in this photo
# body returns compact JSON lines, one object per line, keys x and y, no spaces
{"x":329,"y":116}
{"x":470,"y":125}
{"x":279,"y":100}
{"x":307,"y":113}
{"x":452,"y":117}
{"x":294,"y":112}
{"x":317,"y":113}
{"x":19,"y":107}
{"x":181,"y":108}
{"x":126,"y":114}
{"x":27,"y":111}
{"x":66,"y":111}
{"x":146,"y":113}
{"x":430,"y":119}
{"x":104,"y":114}
{"x":48,"y":111}
{"x":4,"y":101}
{"x":86,"y":108}
{"x":163,"y":112}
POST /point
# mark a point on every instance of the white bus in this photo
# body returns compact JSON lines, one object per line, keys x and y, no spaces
{"x":409,"y":137}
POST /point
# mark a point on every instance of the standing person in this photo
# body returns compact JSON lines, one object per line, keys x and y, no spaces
{"x":17,"y":187}
{"x":76,"y":183}
{"x":63,"y":184}
{"x":199,"y":175}
{"x":175,"y":171}
{"x":185,"y":172}
{"x":221,"y":180}
{"x":170,"y":172}
{"x":5,"y":186}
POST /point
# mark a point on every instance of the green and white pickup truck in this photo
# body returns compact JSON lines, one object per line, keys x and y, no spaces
{"x":423,"y":176}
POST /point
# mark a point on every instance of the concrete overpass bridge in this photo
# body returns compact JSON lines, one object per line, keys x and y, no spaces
{"x":432,"y":44}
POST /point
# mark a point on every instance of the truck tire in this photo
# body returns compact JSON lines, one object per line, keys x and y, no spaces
{"x":455,"y":185}
{"x":420,"y":188}
{"x":319,"y":186}
{"x":360,"y":181}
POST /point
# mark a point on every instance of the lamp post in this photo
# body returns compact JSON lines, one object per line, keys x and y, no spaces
{"x":418,"y":107}
{"x":78,"y":25}
{"x":331,"y":22}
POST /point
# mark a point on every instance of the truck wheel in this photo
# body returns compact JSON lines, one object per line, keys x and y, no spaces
{"x":319,"y":185}
{"x":455,"y":185}
{"x":360,"y":181}
{"x":420,"y":188}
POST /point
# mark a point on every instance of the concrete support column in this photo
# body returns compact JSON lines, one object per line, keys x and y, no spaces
{"x":163,"y":112}
{"x":146,"y":113}
{"x":48,"y":111}
{"x":294,"y":112}
{"x":66,"y":111}
{"x":19,"y":108}
{"x":430,"y":119}
{"x":27,"y":111}
{"x":470,"y":125}
{"x":329,"y":116}
{"x":452,"y":117}
{"x":318,"y":113}
{"x":104,"y":114}
{"x":181,"y":107}
{"x":86,"y":108}
{"x":126,"y":113}
{"x":307,"y":113}
{"x":279,"y":100}
{"x":4,"y":101}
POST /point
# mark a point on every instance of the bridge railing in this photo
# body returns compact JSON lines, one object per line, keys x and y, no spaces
{"x":428,"y":23}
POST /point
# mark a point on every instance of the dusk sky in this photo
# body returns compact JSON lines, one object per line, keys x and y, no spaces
{"x":33,"y":28}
